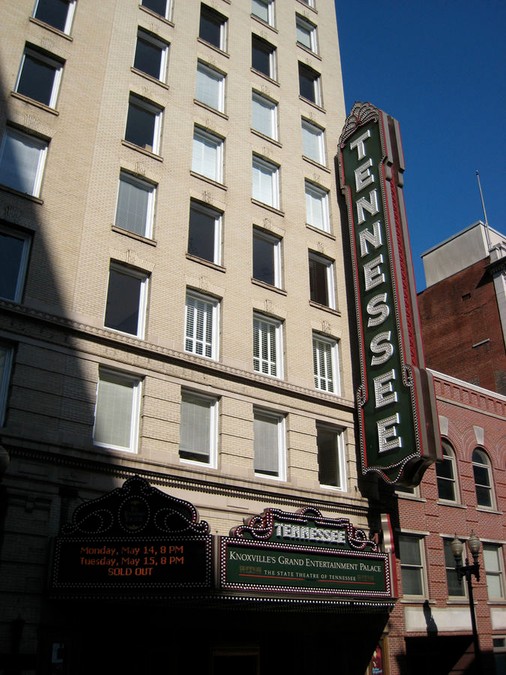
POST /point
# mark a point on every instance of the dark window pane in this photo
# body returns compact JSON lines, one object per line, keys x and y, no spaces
{"x":158,"y":6}
{"x":123,"y":297}
{"x":318,"y":282}
{"x":11,"y":252}
{"x":53,"y":12}
{"x":210,"y":26}
{"x":201,"y":234}
{"x":148,"y":57}
{"x":483,"y":496}
{"x":37,"y":78}
{"x":261,"y":57}
{"x":140,"y":126}
{"x":263,"y":260}
{"x":328,"y":458}
{"x":307,"y":83}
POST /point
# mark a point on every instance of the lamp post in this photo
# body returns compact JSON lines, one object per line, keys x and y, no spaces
{"x":468,"y":571}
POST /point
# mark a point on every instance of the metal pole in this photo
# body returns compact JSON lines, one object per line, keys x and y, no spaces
{"x":476,"y":639}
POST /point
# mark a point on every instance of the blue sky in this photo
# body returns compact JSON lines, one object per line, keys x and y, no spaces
{"x":439,"y":68}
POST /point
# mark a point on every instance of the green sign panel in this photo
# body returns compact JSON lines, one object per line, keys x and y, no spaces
{"x":399,"y":433}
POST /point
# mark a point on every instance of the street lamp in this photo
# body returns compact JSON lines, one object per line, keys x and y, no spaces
{"x":467,"y":571}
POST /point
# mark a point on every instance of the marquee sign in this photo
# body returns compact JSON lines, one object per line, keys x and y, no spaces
{"x":135,"y":539}
{"x":303,"y":553}
{"x":399,"y":431}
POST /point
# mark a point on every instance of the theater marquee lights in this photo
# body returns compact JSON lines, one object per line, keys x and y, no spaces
{"x":399,"y":432}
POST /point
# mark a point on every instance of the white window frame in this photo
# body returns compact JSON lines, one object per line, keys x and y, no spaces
{"x":163,"y":46}
{"x":490,"y":488}
{"x":201,"y":310}
{"x":326,"y":364}
{"x":150,"y":190}
{"x":341,"y":480}
{"x":52,"y":62}
{"x":207,"y":152}
{"x":317,"y":206}
{"x":68,"y":20}
{"x":316,"y":82}
{"x":420,"y":567}
{"x":222,"y":41}
{"x":493,"y":563}
{"x":276,"y":254}
{"x":142,"y":277}
{"x":264,"y":115}
{"x":271,"y":52}
{"x":6,"y":359}
{"x":267,"y":346}
{"x":126,"y":381}
{"x":313,"y":142}
{"x":306,"y":33}
{"x":330,"y":278}
{"x":10,"y":138}
{"x":210,"y":404}
{"x":278,"y":436}
{"x":217,"y":216}
{"x":448,"y":459}
{"x":210,"y":87}
{"x":23,"y":261}
{"x":265,"y":175}
{"x":263,"y":10}
{"x":157,"y":113}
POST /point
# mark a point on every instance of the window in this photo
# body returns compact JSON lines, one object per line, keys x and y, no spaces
{"x":210,"y":87}
{"x":204,"y":233}
{"x":266,"y":258}
{"x":325,"y":364}
{"x":264,"y":10}
{"x":207,"y":158}
{"x":445,"y":473}
{"x":267,"y":346}
{"x":151,"y":55}
{"x":39,"y":76}
{"x":321,"y":280}
{"x":410,"y":548}
{"x":263,"y":57}
{"x":317,"y":206}
{"x":309,"y":3}
{"x":455,"y":587}
{"x":269,"y":444}
{"x":212,"y":27}
{"x":309,"y":84}
{"x":14,"y":249}
{"x":143,"y":124}
{"x":135,"y":209}
{"x":306,"y":33}
{"x":198,"y":441}
{"x":201,"y":321}
{"x":161,"y":7}
{"x":265,"y":182}
{"x":331,"y":459}
{"x":22,"y":160}
{"x":264,"y":118}
{"x":117,"y":411}
{"x":492,"y":561}
{"x":313,"y":142}
{"x":56,"y":13}
{"x":126,"y":300}
{"x":482,"y":478}
{"x":5,"y":373}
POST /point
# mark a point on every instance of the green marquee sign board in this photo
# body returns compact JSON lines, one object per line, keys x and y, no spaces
{"x":399,"y":432}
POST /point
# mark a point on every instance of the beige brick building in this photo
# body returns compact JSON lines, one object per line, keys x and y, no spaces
{"x":173,"y":307}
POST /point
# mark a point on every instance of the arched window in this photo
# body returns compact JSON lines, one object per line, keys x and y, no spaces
{"x":482,"y":478}
{"x":446,"y":472}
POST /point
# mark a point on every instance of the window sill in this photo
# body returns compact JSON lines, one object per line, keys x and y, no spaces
{"x":54,"y":30}
{"x":305,"y":4}
{"x":486,"y":509}
{"x":138,"y":148}
{"x":265,"y":77}
{"x":264,"y":24}
{"x":149,"y":77}
{"x":156,"y":16}
{"x":34,"y":102}
{"x":133,"y":235}
{"x":446,"y":502}
{"x":270,"y":287}
{"x":309,"y":51}
{"x":318,"y":230}
{"x":25,"y":195}
{"x":269,"y":207}
{"x":213,"y":47}
{"x":314,"y":162}
{"x":211,"y":109}
{"x":313,"y":104}
{"x":326,"y":308}
{"x":208,"y":180}
{"x":207,"y":263}
{"x":266,"y":138}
